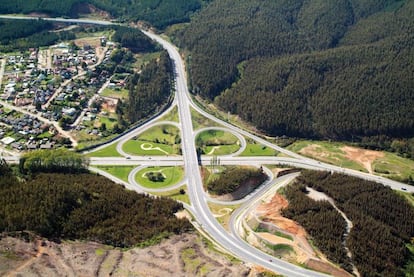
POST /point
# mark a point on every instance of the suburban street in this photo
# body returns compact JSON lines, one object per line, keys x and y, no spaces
{"x":189,"y":160}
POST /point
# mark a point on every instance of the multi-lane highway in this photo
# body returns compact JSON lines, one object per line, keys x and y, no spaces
{"x":199,"y":208}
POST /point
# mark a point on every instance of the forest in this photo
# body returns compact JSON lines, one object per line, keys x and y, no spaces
{"x":319,"y":69}
{"x":85,"y":206}
{"x":383,"y":221}
{"x":150,"y":88}
{"x":24,"y":34}
{"x":233,"y":177}
{"x":159,"y":13}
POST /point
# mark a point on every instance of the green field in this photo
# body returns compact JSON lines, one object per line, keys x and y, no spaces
{"x":255,"y":149}
{"x":199,"y":121}
{"x":139,"y":147}
{"x":217,"y":142}
{"x":120,"y":172}
{"x":176,"y":194}
{"x":115,"y":93}
{"x":165,"y":134}
{"x":394,"y":167}
{"x":109,"y":151}
{"x":171,"y":116}
{"x":172,"y":175}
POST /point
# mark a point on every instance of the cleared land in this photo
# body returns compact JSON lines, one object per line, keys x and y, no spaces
{"x":185,"y":255}
{"x":381,"y":163}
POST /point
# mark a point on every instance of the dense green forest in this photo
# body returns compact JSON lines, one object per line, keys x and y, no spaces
{"x":24,"y":34}
{"x":233,"y":177}
{"x":150,"y":88}
{"x":310,"y":68}
{"x":133,"y":39}
{"x":383,"y":221}
{"x":53,"y":161}
{"x":159,"y":13}
{"x":85,"y":206}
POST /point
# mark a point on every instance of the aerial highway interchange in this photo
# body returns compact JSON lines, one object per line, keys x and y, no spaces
{"x":206,"y":221}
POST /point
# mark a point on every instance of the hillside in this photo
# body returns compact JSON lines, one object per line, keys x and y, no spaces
{"x":308,"y":68}
{"x":159,"y":13}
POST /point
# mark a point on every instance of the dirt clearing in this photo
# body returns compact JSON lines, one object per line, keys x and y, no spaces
{"x":185,"y":255}
{"x":362,"y":156}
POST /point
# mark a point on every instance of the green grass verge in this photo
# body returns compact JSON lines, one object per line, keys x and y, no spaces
{"x":120,"y":172}
{"x":176,"y":194}
{"x":109,"y":151}
{"x":137,"y":147}
{"x":254,"y":149}
{"x":171,"y":116}
{"x":394,"y":167}
{"x":222,"y":213}
{"x":220,"y":150}
{"x":172,"y":174}
{"x":199,"y":121}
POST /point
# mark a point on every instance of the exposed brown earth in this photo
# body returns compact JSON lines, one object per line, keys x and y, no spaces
{"x":362,"y":156}
{"x":184,"y":255}
{"x":304,"y":253}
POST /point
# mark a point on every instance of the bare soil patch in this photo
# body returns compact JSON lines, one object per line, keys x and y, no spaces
{"x":362,"y":156}
{"x":304,"y":252}
{"x":46,"y":258}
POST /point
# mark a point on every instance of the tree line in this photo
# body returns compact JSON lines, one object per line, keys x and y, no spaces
{"x":88,"y":207}
{"x":383,"y":221}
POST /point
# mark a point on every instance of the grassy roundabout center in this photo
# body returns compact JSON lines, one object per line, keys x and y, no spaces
{"x":159,"y":177}
{"x":217,"y":142}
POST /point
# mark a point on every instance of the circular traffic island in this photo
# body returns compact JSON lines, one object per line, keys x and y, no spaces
{"x":159,"y":177}
{"x":217,"y":142}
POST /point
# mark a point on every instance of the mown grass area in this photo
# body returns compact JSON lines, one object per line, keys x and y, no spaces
{"x":171,"y":116}
{"x":409,"y":266}
{"x":220,"y":150}
{"x":172,"y":175}
{"x":223,"y":213}
{"x":199,"y":121}
{"x":109,"y":151}
{"x":138,"y":147}
{"x":256,"y":149}
{"x":394,"y":167}
{"x":217,"y":142}
{"x":166,"y":134}
{"x":176,"y":194}
{"x":120,"y":172}
{"x":115,"y":93}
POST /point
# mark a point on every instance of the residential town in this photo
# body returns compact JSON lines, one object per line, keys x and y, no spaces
{"x":52,"y":97}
